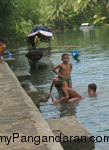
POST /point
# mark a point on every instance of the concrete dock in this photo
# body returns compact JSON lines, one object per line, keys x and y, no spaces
{"x":21,"y":125}
{"x":72,"y":134}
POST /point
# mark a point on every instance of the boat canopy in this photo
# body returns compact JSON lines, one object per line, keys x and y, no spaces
{"x":44,"y":31}
{"x":85,"y":24}
{"x":39,"y":34}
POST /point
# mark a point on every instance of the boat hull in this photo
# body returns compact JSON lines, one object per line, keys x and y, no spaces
{"x":87,"y":28}
{"x":44,"y":61}
{"x":39,"y":57}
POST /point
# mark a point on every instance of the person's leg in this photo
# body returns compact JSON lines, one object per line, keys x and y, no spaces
{"x":70,"y":84}
{"x":65,"y":83}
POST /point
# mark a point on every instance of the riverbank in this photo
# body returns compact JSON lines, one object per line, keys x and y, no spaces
{"x":20,"y":118}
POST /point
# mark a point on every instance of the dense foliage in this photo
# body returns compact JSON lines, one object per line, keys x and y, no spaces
{"x":6,"y":13}
{"x":21,"y":15}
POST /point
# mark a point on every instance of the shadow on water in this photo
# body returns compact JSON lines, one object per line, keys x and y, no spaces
{"x":41,"y":76}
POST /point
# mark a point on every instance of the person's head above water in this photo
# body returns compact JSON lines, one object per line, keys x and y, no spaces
{"x":92,"y":89}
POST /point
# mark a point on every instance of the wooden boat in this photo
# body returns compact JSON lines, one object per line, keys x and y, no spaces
{"x":44,"y":61}
{"x":39,"y":56}
{"x":35,"y":56}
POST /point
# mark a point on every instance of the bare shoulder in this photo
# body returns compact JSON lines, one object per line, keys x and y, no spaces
{"x":58,"y":66}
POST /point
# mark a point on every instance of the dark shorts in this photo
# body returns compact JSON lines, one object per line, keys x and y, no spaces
{"x":66,"y":79}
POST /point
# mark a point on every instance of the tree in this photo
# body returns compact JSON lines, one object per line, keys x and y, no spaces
{"x":6,"y":11}
{"x":27,"y":14}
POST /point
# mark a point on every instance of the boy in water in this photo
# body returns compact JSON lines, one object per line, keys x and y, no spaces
{"x":65,"y":71}
{"x":2,"y":47}
{"x":92,"y":89}
{"x":69,"y":93}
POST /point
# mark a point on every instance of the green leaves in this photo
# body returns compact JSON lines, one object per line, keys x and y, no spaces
{"x":22,"y":15}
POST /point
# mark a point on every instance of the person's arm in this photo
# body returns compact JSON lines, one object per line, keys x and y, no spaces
{"x":4,"y":48}
{"x":66,"y":97}
{"x":54,"y":70}
{"x":4,"y":45}
{"x":71,"y":66}
{"x":73,"y":99}
{"x":51,"y":87}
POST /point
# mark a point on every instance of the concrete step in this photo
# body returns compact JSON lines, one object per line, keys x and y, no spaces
{"x":71,"y":134}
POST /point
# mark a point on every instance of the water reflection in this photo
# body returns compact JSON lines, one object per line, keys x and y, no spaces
{"x":41,"y":76}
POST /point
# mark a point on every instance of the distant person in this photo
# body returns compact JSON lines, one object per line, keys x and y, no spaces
{"x":92,"y":89}
{"x":75,"y":54}
{"x":65,"y":71}
{"x":68,"y":93}
{"x":2,"y":47}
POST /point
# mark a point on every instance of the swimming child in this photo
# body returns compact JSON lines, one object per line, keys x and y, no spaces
{"x":69,"y":94}
{"x":2,"y":47}
{"x":65,"y":71}
{"x":92,"y":89}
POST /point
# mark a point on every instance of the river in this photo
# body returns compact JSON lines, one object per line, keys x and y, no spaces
{"x":93,"y":67}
